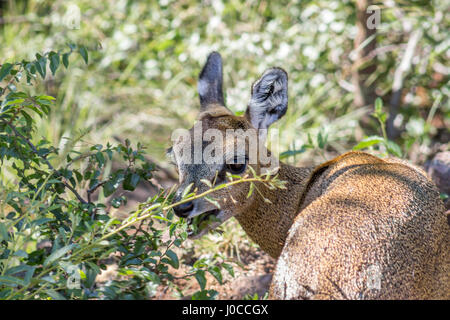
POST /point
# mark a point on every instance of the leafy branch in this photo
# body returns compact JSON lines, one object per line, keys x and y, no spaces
{"x":44,"y":158}
{"x":147,"y":211}
{"x":390,"y":146}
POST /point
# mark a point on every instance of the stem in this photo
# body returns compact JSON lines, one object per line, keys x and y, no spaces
{"x":383,"y":129}
{"x":11,"y":81}
{"x":144,"y":215}
{"x":35,"y":151}
{"x":166,"y":208}
{"x":92,"y":190}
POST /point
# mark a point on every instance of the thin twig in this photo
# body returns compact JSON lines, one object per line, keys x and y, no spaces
{"x":92,"y":190}
{"x":35,"y":151}
{"x":10,"y":82}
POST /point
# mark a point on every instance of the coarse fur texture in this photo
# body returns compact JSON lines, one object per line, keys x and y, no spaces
{"x":355,"y":227}
{"x":358,"y":212}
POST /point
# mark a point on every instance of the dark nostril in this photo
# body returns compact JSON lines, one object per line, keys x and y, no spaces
{"x":183,"y":209}
{"x":187,"y":206}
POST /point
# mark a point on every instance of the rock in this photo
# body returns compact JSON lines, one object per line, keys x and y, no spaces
{"x":439,"y":171}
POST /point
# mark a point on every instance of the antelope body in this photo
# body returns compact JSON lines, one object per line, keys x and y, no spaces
{"x":355,"y":227}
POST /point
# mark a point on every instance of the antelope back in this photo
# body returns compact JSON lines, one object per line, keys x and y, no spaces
{"x":367,"y":229}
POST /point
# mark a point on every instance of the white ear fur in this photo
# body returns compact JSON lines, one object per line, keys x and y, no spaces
{"x":269,"y":98}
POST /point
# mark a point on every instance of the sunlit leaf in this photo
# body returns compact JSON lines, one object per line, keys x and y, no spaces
{"x":367,"y":142}
{"x":5,"y":70}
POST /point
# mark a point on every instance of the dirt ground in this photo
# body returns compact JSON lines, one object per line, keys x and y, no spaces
{"x":254,"y":277}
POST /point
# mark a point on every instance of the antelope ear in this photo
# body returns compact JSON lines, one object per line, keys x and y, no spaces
{"x":210,"y":82}
{"x":269,"y":98}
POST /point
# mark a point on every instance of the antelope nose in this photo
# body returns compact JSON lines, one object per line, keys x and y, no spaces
{"x":182,"y":210}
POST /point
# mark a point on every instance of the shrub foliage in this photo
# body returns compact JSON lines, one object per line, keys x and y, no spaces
{"x":56,"y":231}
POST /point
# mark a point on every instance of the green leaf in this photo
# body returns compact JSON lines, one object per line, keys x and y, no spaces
{"x":94,"y":267}
{"x":321,"y":140}
{"x":82,"y":274}
{"x":378,"y":105}
{"x":48,"y":279}
{"x":44,"y":97}
{"x":290,"y":153}
{"x":54,"y":295}
{"x":201,"y":279}
{"x":367,"y":142}
{"x":40,"y":221}
{"x":118,"y":201}
{"x":54,"y":62}
{"x":11,"y":281}
{"x":229,"y":268}
{"x":251,"y":189}
{"x":59,"y":253}
{"x":65,"y":59}
{"x":212,"y":201}
{"x":100,"y":158}
{"x":310,"y":142}
{"x":205,"y":295}
{"x":27,"y":117}
{"x":84,"y":53}
{"x":207,"y":182}
{"x":108,"y":188}
{"x":19,"y":95}
{"x":187,"y":190}
{"x":41,"y":66}
{"x":393,"y":148}
{"x":131,"y":181}
{"x":20,"y":253}
{"x":134,"y":261}
{"x":173,"y":258}
{"x":160,"y":218}
{"x":29,"y":274}
{"x":29,"y":271}
{"x":5,"y":70}
{"x":111,"y":221}
{"x":215,"y":271}
{"x":39,"y":112}
{"x":3,"y":232}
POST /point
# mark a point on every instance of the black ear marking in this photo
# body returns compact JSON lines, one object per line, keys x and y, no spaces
{"x":210,"y":81}
{"x":269,"y":98}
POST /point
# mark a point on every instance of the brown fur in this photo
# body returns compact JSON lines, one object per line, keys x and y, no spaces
{"x":334,"y":221}
{"x":355,"y":227}
{"x":359,"y":211}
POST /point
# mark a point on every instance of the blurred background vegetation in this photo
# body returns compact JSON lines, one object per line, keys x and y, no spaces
{"x":145,"y":56}
{"x":141,"y":80}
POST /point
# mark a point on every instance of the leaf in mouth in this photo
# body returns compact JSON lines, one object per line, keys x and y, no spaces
{"x":201,"y":221}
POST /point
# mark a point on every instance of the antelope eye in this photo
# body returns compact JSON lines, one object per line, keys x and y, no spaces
{"x":236,"y":168}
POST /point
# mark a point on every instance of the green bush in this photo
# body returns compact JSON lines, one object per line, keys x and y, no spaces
{"x":143,"y":76}
{"x":54,"y":236}
{"x":144,"y":57}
